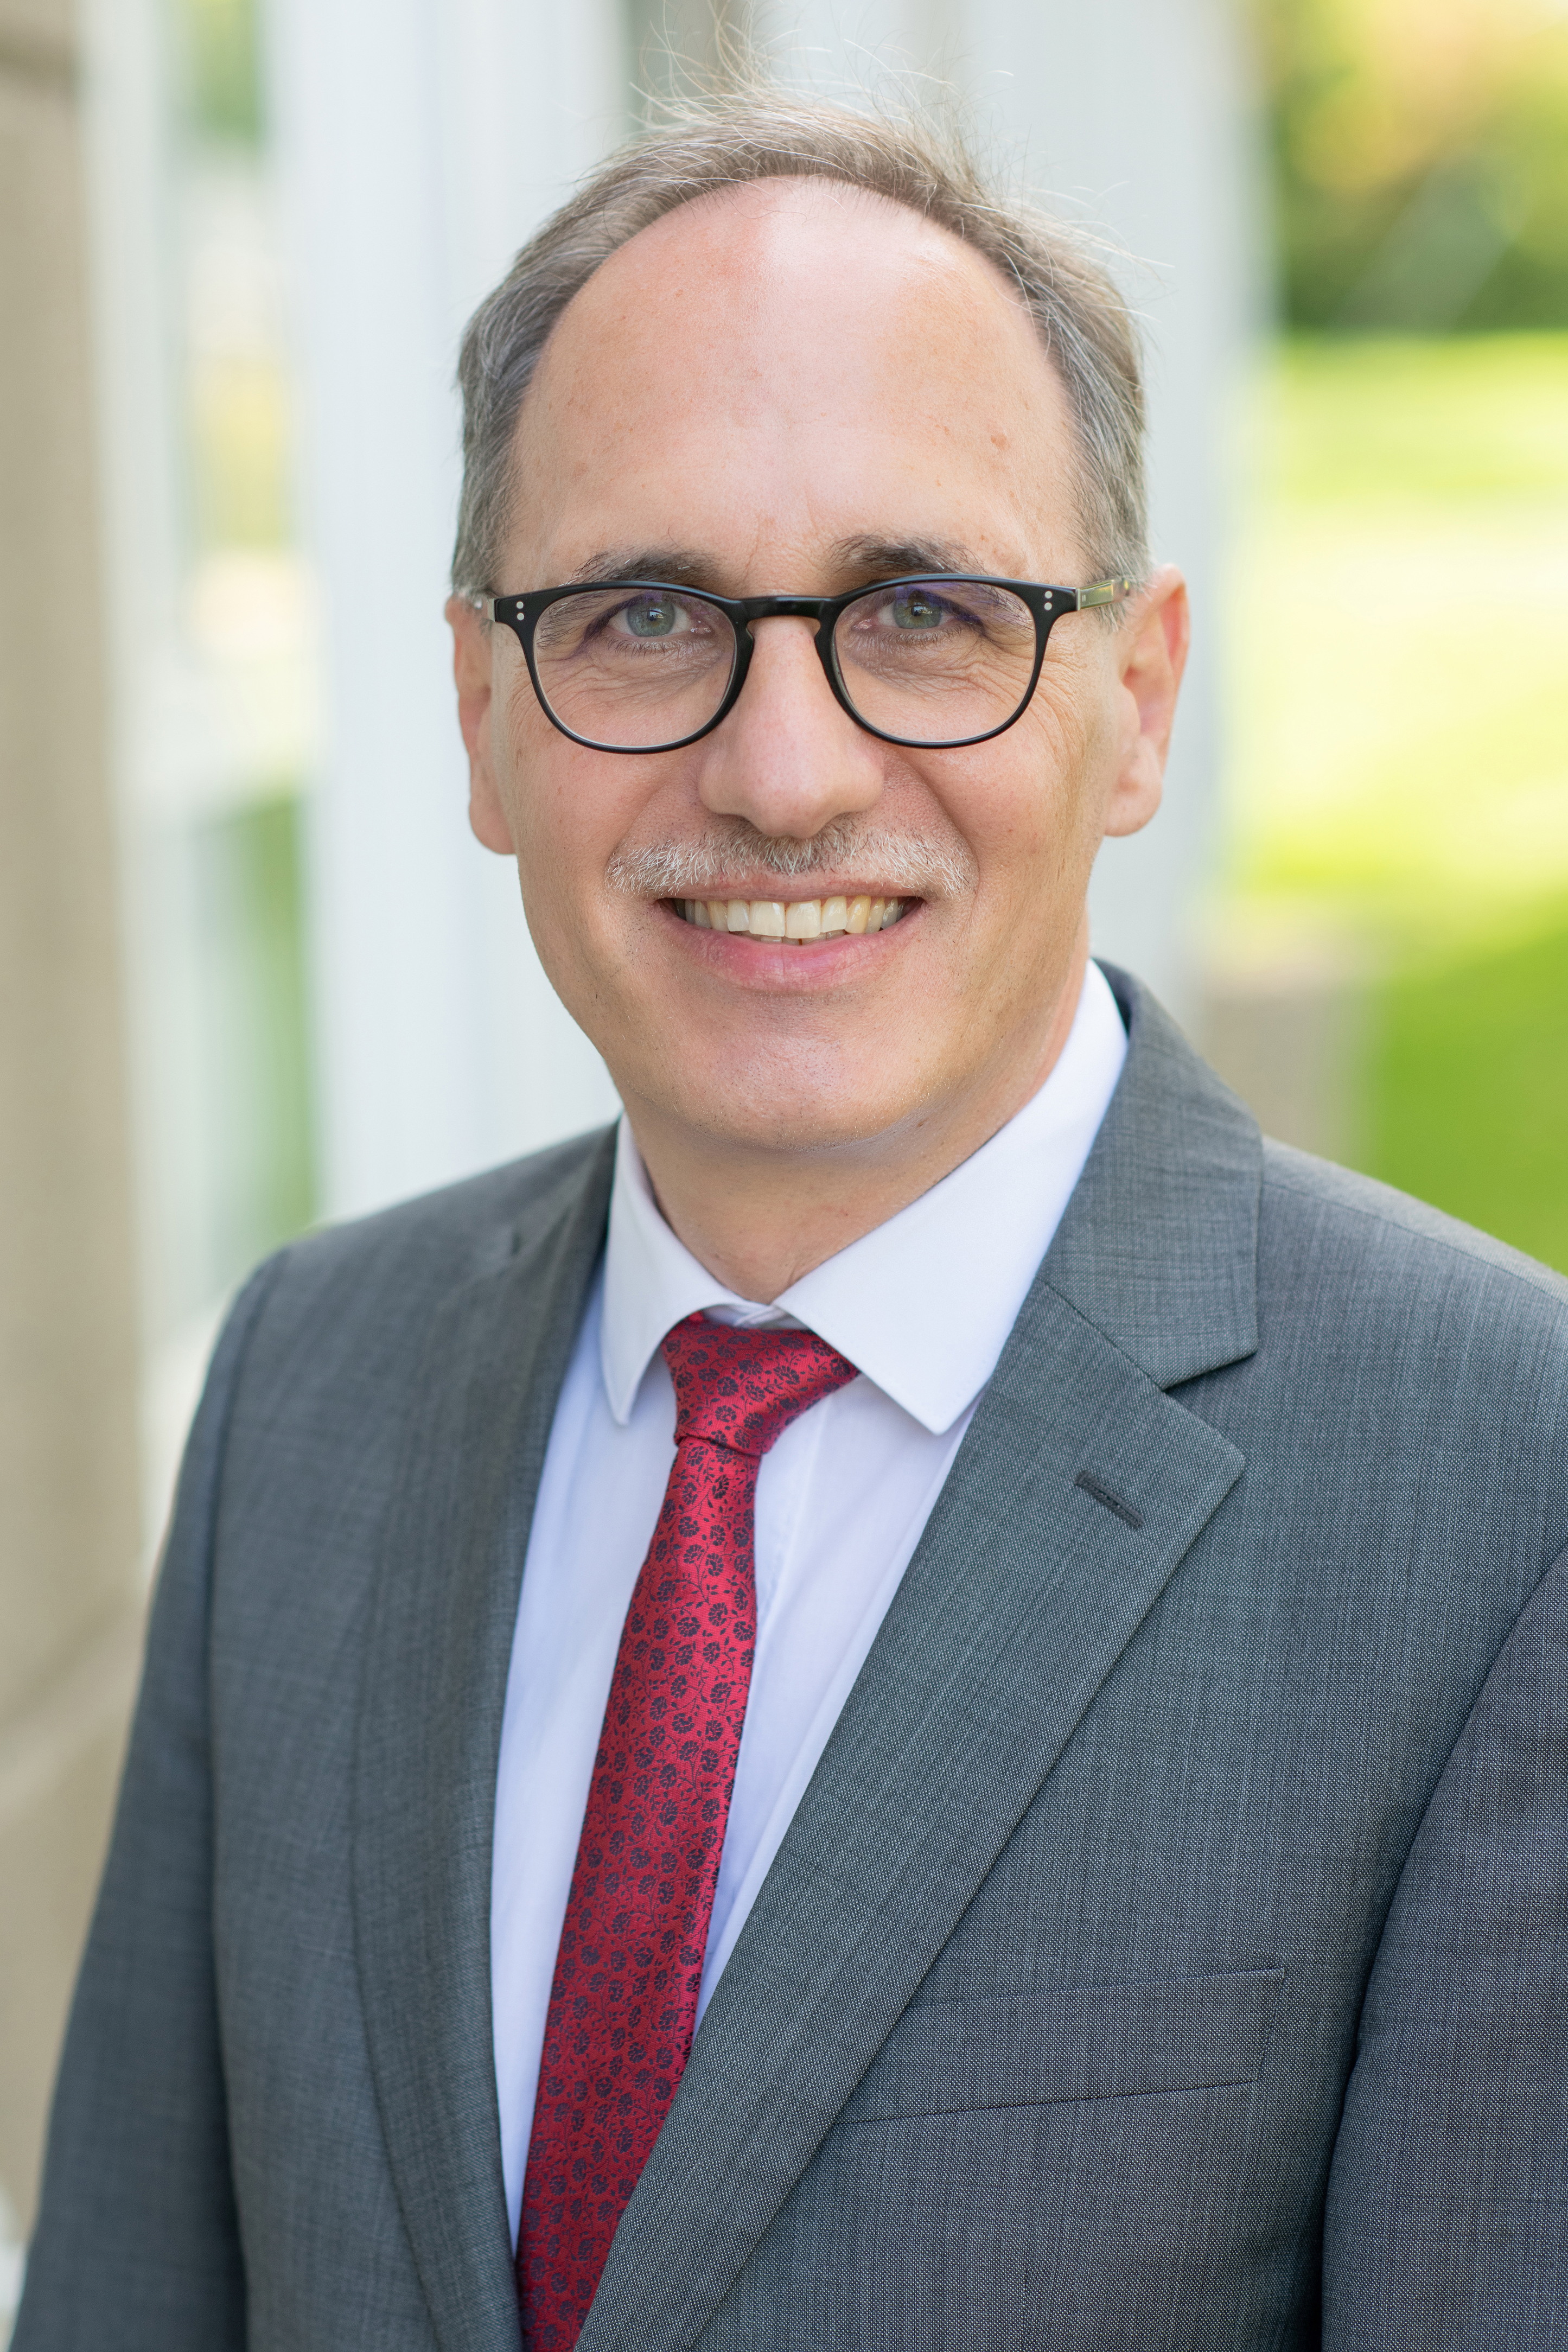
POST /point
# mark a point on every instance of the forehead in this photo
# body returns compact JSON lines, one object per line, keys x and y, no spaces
{"x":803,"y":361}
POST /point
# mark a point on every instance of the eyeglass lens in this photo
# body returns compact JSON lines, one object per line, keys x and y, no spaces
{"x":932,"y":661}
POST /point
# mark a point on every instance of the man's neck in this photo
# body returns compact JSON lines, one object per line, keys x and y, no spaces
{"x":759,"y":1222}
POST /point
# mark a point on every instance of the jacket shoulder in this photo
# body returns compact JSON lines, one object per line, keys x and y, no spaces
{"x":1411,"y":1367}
{"x":345,"y":1312}
{"x":460,"y":1232}
{"x":1351,"y":1223}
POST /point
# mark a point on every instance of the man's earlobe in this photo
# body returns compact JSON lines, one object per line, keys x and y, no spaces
{"x":471,"y":670}
{"x":1152,"y":657}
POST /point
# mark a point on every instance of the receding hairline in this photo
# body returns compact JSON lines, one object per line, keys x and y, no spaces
{"x":778,"y":188}
{"x":918,"y":163}
{"x":774,"y":196}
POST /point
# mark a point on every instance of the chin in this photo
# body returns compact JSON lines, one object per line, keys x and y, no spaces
{"x":796,"y":1121}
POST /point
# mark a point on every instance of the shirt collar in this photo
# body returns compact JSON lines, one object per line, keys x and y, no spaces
{"x":922,"y":1305}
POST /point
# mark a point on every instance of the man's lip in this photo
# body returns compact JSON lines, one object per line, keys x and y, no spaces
{"x":789,"y":894}
{"x":794,"y":965}
{"x":813,"y":923}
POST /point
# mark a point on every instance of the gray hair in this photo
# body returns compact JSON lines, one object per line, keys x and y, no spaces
{"x":724,"y":140}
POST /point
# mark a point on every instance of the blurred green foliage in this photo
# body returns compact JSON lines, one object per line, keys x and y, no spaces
{"x":217,"y":51}
{"x":1467,"y":1091}
{"x":1401,"y":770}
{"x":1398,"y":757}
{"x":1399,"y":761}
{"x":1421,"y":429}
{"x":1420,"y":159}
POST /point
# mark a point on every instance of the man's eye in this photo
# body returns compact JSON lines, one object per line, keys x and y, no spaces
{"x":916,"y":612}
{"x":654,"y":616}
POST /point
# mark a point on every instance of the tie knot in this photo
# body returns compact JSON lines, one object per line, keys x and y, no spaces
{"x":741,"y":1389}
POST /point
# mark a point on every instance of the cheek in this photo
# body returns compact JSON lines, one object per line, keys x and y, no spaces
{"x":1052,"y":791}
{"x":563,"y":811}
{"x":1022,"y":814}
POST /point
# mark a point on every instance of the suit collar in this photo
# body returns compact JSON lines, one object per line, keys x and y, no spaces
{"x":1158,"y":1248}
{"x":924,"y":1302}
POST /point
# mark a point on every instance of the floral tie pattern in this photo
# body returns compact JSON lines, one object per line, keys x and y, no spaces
{"x":623,"y":2005}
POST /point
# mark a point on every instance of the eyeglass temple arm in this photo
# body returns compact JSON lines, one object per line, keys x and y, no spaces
{"x":1103,"y":592}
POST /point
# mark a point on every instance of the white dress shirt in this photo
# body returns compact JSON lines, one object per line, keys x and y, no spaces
{"x":922,"y":1306}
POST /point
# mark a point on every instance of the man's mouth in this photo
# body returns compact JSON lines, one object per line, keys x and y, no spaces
{"x":799,"y":922}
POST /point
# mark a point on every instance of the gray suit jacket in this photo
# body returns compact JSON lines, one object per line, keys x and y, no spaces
{"x":1171,"y":1947}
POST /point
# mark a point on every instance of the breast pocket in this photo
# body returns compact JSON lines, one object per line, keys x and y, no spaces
{"x":1072,"y":2042}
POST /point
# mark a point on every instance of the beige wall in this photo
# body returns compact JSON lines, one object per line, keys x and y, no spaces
{"x":69,"y":1526}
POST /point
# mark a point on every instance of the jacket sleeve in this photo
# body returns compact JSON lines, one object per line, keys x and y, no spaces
{"x":1446,"y":2222}
{"x":137,"y":2243}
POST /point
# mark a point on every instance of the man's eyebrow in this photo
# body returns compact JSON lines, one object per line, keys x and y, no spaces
{"x":852,"y":561}
{"x":886,"y":558}
{"x":683,"y":567}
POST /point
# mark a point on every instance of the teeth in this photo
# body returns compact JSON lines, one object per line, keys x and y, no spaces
{"x":798,"y":920}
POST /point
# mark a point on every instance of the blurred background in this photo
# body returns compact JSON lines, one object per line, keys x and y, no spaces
{"x":253,"y":971}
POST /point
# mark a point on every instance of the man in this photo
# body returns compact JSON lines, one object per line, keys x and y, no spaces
{"x":924,"y":1702}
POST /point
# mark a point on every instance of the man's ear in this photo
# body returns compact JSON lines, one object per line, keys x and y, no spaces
{"x":472,"y":653}
{"x":1150,"y":653}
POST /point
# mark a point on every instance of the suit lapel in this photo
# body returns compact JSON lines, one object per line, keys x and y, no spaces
{"x":1159,"y":1245}
{"x":1022,"y":1595}
{"x":429,"y":1728}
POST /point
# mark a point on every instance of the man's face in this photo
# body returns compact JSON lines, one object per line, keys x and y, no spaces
{"x":795,"y":388}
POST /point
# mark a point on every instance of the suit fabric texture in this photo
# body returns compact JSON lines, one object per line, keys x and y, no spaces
{"x":1171,"y":1949}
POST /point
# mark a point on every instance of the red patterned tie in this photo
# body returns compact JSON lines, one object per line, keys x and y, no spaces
{"x":622,"y":2007}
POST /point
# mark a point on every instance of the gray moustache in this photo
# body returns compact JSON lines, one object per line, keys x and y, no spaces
{"x":901,"y":864}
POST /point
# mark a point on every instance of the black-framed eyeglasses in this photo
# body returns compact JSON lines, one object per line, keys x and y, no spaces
{"x":933,"y":661}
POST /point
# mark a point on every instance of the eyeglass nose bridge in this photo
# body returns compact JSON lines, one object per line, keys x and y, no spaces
{"x":783,"y":608}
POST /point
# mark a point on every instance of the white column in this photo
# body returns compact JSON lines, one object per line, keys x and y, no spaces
{"x":69,"y":1597}
{"x":418,"y":142}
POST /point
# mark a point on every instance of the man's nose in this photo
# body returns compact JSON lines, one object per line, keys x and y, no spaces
{"x":787,"y":758}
